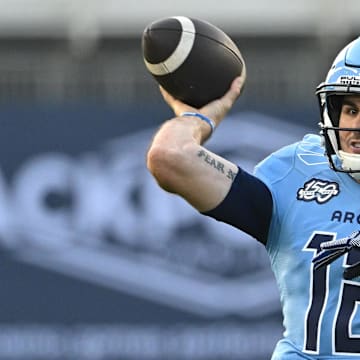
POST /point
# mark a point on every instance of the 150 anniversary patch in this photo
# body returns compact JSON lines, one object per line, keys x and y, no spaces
{"x":319,"y":190}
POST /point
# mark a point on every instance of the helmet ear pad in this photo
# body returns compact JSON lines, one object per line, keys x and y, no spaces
{"x":334,"y":104}
{"x":330,"y":116}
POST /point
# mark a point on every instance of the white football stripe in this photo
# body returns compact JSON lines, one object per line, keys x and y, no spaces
{"x":181,"y":52}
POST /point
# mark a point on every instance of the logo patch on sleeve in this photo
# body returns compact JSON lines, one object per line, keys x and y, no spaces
{"x":319,"y":190}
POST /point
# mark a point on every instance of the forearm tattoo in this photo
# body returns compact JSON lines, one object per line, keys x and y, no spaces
{"x":216,"y":164}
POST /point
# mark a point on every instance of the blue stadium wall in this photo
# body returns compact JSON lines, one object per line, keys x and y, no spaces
{"x":98,"y":263}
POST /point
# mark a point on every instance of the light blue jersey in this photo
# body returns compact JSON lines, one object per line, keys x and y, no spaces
{"x":312,"y":204}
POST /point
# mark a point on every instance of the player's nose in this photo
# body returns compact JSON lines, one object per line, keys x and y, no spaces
{"x":356,"y":122}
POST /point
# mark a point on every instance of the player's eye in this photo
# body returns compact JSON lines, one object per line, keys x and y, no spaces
{"x":350,"y":110}
{"x":353,"y":111}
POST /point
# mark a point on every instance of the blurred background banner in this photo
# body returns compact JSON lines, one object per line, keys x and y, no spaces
{"x":96,"y":261}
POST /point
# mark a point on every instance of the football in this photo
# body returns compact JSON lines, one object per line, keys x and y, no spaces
{"x":192,"y":59}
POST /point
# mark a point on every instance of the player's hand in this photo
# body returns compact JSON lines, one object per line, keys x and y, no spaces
{"x":216,"y":110}
{"x":331,"y":250}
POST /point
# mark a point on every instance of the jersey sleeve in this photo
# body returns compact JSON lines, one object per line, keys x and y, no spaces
{"x":283,"y":174}
{"x":247,"y":206}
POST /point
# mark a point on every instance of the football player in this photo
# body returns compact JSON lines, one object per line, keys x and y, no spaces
{"x":302,"y":203}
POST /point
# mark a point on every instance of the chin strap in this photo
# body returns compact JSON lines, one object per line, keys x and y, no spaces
{"x":350,"y":162}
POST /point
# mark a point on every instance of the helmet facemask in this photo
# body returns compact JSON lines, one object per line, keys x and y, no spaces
{"x":343,"y":79}
{"x":330,"y":130}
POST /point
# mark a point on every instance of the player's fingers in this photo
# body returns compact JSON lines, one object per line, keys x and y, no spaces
{"x":217,"y":109}
{"x":176,"y":105}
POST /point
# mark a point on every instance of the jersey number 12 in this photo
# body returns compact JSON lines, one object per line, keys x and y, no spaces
{"x":349,"y":296}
